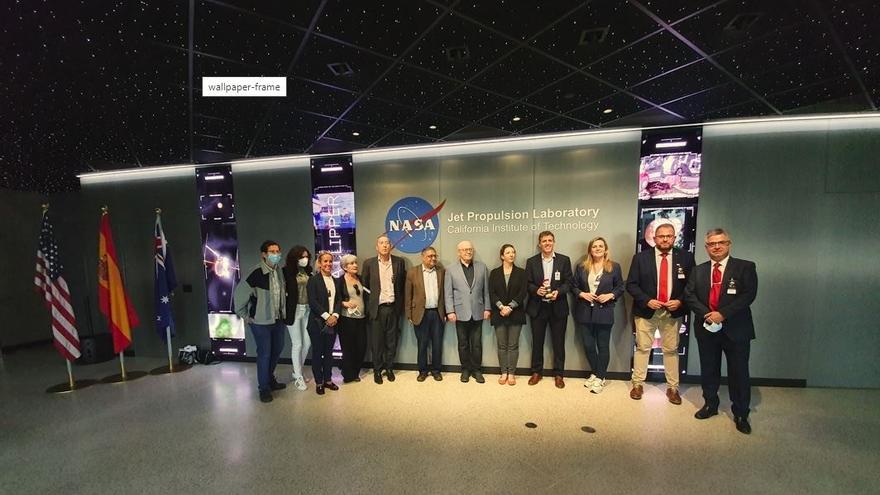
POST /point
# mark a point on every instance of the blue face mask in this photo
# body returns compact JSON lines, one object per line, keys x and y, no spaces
{"x":274,"y":258}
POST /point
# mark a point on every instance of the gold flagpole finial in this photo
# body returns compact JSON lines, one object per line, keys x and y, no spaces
{"x":105,"y":210}
{"x":45,"y":207}
{"x":158,"y":211}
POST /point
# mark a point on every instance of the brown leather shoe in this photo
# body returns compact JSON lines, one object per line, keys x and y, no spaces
{"x":636,"y":392}
{"x":559,"y":382}
{"x":673,"y":396}
{"x":536,"y":377}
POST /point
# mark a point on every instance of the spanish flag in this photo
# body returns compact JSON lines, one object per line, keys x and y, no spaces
{"x":112,"y":299}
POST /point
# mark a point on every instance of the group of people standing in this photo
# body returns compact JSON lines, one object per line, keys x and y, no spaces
{"x":364,"y":307}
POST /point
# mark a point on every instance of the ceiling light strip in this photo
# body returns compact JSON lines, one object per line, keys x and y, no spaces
{"x":441,"y":149}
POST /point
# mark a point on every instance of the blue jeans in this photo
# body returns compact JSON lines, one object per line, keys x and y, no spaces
{"x":270,"y":342}
{"x":596,"y":338}
{"x":430,"y":331}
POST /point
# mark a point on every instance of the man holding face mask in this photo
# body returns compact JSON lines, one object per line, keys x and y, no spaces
{"x":656,"y":283}
{"x":720,"y":292}
{"x":260,"y":302}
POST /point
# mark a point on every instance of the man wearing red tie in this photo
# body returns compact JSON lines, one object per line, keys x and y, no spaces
{"x":720,"y":292}
{"x":656,"y":282}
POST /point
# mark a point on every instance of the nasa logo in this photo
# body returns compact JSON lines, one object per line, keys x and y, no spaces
{"x":412,"y":224}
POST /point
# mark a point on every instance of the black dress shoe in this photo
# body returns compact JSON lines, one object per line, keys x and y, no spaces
{"x":478,"y":376}
{"x":276,"y":385}
{"x":331,"y":386}
{"x":742,"y":425}
{"x":390,"y":375}
{"x":319,"y":389}
{"x":377,"y":377}
{"x":465,"y":376}
{"x":265,"y":396}
{"x":437,"y":376}
{"x":422,"y":377}
{"x":705,"y":412}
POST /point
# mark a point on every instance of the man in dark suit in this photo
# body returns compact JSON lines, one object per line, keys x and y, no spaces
{"x":656,"y":283}
{"x":720,"y":293}
{"x":384,"y":277}
{"x":424,"y":308}
{"x":466,"y":289}
{"x":548,"y":276}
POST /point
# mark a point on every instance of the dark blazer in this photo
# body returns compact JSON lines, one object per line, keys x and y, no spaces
{"x":535,"y":278}
{"x":318,"y":303}
{"x":292,"y":293}
{"x":736,"y":309}
{"x":515,"y":290}
{"x":343,"y":295}
{"x":609,"y":283}
{"x":642,"y":280}
{"x":370,"y":276}
{"x":414,"y":294}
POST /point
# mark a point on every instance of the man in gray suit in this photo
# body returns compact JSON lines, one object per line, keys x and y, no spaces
{"x":467,"y":304}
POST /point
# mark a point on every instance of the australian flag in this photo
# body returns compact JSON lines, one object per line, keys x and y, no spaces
{"x":166,"y":282}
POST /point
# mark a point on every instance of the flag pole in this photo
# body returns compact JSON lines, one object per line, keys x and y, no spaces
{"x":167,"y":328}
{"x":70,"y":375}
{"x":122,"y":364}
{"x":71,"y":384}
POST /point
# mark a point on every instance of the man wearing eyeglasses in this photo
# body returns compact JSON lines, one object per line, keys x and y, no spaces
{"x":656,"y":283}
{"x":720,"y":293}
{"x":466,"y":289}
{"x":424,"y":308}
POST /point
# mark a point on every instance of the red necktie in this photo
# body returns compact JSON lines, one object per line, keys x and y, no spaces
{"x":715,"y":291}
{"x":663,"y":293}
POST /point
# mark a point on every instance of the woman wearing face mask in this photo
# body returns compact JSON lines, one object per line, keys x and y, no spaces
{"x":352,"y":321}
{"x":297,"y":271}
{"x":325,"y":307}
{"x":596,"y":285}
{"x":507,"y":293}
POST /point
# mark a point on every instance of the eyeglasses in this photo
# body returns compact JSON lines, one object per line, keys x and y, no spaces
{"x":717,"y":243}
{"x":665,"y":236}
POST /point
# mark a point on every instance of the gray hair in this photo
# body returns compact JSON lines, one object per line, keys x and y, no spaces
{"x":347,"y":259}
{"x":717,"y":231}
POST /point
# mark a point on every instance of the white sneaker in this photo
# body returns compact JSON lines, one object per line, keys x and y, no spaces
{"x":299,"y":383}
{"x":598,"y":386}
{"x":592,"y":379}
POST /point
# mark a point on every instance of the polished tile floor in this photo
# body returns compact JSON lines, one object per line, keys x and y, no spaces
{"x":204,"y":431}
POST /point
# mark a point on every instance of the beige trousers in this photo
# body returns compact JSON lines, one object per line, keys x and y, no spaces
{"x":669,"y":328}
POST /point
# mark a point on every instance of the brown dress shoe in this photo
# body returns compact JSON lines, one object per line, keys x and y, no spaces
{"x":536,"y":377}
{"x":559,"y":382}
{"x":636,"y":392}
{"x":673,"y":396}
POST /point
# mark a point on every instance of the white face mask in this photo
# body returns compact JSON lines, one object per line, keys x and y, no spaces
{"x":303,"y":262}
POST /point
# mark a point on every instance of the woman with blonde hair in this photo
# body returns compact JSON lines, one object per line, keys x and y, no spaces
{"x":596,"y":285}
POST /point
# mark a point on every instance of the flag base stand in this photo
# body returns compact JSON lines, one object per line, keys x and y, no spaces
{"x":164,"y":370}
{"x":127,"y":377}
{"x":63,"y":388}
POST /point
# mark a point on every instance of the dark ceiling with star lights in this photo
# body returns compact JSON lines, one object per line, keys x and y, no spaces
{"x":99,"y":85}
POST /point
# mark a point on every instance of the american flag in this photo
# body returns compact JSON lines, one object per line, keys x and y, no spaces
{"x":51,"y":284}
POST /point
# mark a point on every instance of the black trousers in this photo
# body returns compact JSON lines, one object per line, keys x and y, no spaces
{"x":557,"y":325}
{"x":470,"y":344}
{"x":711,"y":346}
{"x":384,"y":333}
{"x":353,"y":341}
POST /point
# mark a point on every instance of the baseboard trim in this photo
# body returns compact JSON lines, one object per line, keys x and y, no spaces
{"x":612,"y":375}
